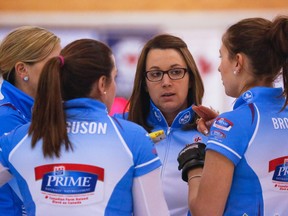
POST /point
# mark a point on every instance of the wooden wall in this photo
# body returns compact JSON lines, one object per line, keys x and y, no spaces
{"x":141,"y":5}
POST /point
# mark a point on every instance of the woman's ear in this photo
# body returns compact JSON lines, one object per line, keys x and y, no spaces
{"x":239,"y":61}
{"x":99,"y":88}
{"x":21,"y":70}
{"x":102,"y":84}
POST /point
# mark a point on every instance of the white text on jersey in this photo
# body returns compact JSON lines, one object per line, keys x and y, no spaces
{"x":85,"y":127}
{"x":280,"y":123}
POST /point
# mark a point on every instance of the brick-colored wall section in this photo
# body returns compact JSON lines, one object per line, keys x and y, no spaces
{"x":141,"y":5}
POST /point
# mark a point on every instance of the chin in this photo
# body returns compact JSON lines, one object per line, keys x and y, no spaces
{"x":231,"y":95}
{"x":228,"y":93}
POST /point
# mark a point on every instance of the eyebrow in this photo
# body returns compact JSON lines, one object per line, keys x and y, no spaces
{"x":154,"y":68}
{"x":170,"y":67}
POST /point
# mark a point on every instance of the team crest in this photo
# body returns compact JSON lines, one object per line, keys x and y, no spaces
{"x":247,"y":96}
{"x":185,"y":118}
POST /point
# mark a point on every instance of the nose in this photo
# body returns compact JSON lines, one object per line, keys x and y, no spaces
{"x":166,"y":80}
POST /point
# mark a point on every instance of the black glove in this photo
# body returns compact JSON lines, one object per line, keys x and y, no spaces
{"x":190,"y":157}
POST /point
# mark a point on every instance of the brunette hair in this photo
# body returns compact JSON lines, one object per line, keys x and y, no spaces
{"x":139,"y":101}
{"x":265,"y":43}
{"x":63,"y":78}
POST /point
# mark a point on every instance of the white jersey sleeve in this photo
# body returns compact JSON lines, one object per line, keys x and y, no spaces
{"x":148,"y":198}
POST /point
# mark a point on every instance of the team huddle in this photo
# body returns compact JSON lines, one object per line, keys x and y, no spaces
{"x":61,"y":152}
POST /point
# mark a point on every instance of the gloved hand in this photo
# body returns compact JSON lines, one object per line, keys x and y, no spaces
{"x":190,"y":157}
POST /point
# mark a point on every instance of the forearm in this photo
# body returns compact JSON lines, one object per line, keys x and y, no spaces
{"x":194,"y":178}
{"x":208,"y":193}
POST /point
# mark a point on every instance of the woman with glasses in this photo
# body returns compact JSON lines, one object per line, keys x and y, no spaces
{"x":167,"y":83}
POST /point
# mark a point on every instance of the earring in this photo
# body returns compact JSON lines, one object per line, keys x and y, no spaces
{"x":26,"y":78}
{"x":235,"y":72}
{"x":104,"y":92}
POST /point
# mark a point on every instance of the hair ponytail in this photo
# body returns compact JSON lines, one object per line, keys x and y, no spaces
{"x":279,"y":38}
{"x":48,"y":118}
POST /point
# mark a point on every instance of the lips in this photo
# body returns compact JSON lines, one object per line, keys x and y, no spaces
{"x":167,"y":94}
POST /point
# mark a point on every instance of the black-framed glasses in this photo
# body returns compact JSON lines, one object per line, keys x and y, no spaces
{"x":173,"y":74}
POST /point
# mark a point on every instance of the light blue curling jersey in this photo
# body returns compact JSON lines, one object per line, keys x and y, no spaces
{"x":95,"y":178}
{"x":15,"y":110}
{"x":254,"y":136}
{"x":177,"y":136}
{"x":175,"y":189}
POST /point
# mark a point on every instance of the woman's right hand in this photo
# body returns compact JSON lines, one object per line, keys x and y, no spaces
{"x":207,"y":117}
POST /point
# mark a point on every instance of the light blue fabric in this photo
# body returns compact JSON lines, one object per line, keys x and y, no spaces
{"x":176,"y":137}
{"x":254,"y":136}
{"x":96,"y":178}
{"x":15,"y":110}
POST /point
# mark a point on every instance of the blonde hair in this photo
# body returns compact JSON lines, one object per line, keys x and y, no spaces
{"x":28,"y":44}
